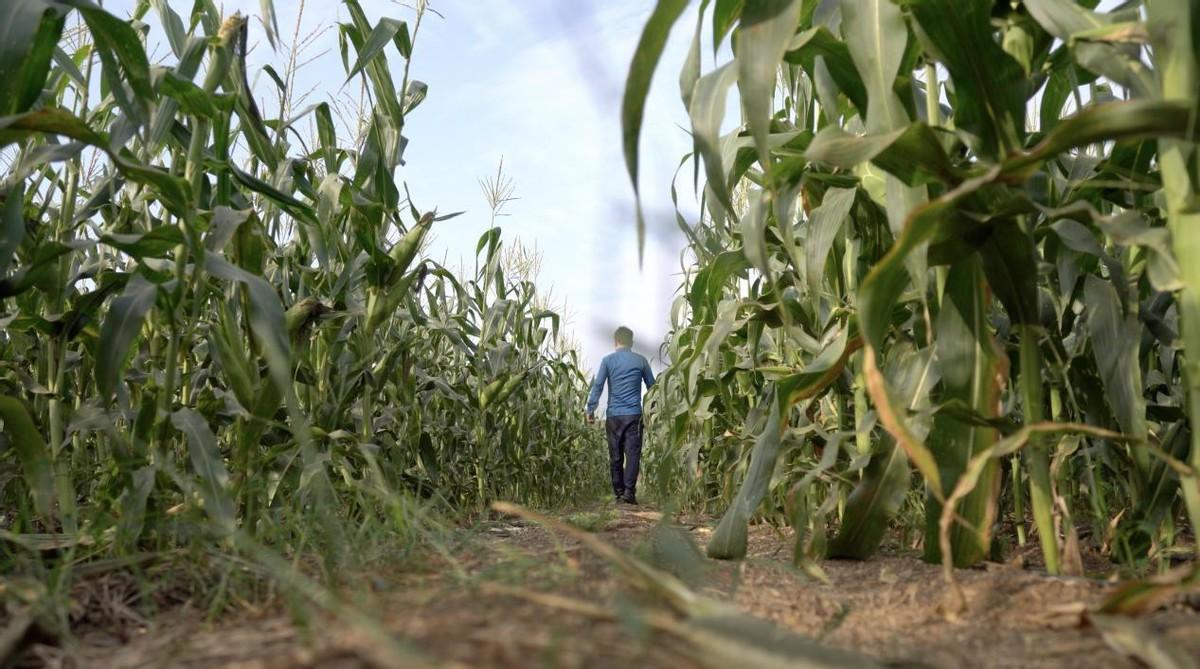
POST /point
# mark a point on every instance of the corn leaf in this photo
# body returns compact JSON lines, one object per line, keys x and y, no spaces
{"x":121,"y":326}
{"x":32,"y":454}
{"x":209,"y":467}
{"x":764,"y":31}
{"x":29,"y":31}
{"x":969,"y":366}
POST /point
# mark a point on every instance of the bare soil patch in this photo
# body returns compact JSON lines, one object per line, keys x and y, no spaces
{"x":451,"y":613}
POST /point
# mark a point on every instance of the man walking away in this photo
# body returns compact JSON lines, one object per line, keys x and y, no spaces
{"x":624,"y":371}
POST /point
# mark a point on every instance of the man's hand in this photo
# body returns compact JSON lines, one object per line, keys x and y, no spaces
{"x":590,"y":417}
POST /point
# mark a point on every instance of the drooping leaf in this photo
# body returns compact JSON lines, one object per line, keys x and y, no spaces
{"x":971,"y":372}
{"x":32,"y":454}
{"x":12,"y":225}
{"x":52,"y":120}
{"x":728,"y":541}
{"x":875,"y":33}
{"x":877,"y":498}
{"x":818,"y":41}
{"x":989,"y":84}
{"x":29,"y":31}
{"x":1010,"y":263}
{"x":121,"y":327}
{"x":725,"y":15}
{"x":1065,"y":19}
{"x":824,"y":224}
{"x":385,"y":31}
{"x":122,"y":56}
{"x":912,"y":153}
{"x":707,"y":112}
{"x":764,"y":32}
{"x":209,"y":467}
{"x":1115,"y":336}
{"x":637,"y":86}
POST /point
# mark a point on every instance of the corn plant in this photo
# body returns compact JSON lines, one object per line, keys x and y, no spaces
{"x":943,"y":236}
{"x":219,"y":325}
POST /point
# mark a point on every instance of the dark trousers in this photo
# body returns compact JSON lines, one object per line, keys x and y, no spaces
{"x":624,"y":452}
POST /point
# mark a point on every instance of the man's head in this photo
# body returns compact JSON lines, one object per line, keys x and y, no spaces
{"x":623,"y":337}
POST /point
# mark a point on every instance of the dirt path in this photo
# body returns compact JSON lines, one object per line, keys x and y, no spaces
{"x":457,"y":612}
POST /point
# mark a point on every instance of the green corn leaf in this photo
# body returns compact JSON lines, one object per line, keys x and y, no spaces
{"x":32,"y":453}
{"x":1108,"y":121}
{"x":1131,"y":229}
{"x":825,"y":222}
{"x":877,"y":498}
{"x":327,"y":133}
{"x":725,"y":15}
{"x":270,"y":22}
{"x":877,"y":38}
{"x":754,"y":233}
{"x":765,"y":29}
{"x":912,"y":154}
{"x":133,"y":507}
{"x":224,"y":226}
{"x":385,"y":31}
{"x":289,"y":204}
{"x":12,"y":225}
{"x":969,"y":363}
{"x":1010,"y":263}
{"x":989,"y":84}
{"x":39,"y":271}
{"x":879,"y":294}
{"x":29,"y":31}
{"x":637,"y":86}
{"x":875,"y":33}
{"x":1159,"y":495}
{"x":172,"y":25}
{"x":122,"y":56}
{"x":728,"y":541}
{"x":873,"y":503}
{"x":691,"y":65}
{"x":818,"y":41}
{"x":822,"y":371}
{"x":158,"y":243}
{"x":377,"y":69}
{"x":209,"y":467}
{"x":191,"y":98}
{"x":266,"y":314}
{"x":119,"y":330}
{"x":707,"y":112}
{"x":1078,"y":238}
{"x":827,"y":91}
{"x":1065,"y":19}
{"x":172,"y":190}
{"x":241,"y":374}
{"x":235,"y":47}
{"x":1115,"y":337}
{"x":888,"y":278}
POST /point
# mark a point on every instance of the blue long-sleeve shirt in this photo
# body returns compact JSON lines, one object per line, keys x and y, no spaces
{"x":624,"y":371}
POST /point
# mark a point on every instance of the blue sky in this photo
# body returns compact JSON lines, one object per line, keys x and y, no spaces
{"x":539,"y":83}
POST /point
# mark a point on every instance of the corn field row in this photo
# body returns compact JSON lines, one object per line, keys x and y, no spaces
{"x":219,"y":327}
{"x":945,"y":280}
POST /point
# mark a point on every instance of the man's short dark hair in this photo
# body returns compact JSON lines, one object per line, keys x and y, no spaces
{"x":623,"y":336}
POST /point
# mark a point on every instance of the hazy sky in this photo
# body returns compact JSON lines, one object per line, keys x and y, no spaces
{"x":539,"y":83}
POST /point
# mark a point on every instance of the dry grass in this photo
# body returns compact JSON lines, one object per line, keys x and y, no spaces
{"x":888,"y":607}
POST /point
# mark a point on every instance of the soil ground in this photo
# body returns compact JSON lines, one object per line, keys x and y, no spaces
{"x":461,"y":611}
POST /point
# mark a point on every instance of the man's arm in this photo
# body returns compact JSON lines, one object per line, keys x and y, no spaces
{"x":597,"y":388}
{"x":647,"y":375}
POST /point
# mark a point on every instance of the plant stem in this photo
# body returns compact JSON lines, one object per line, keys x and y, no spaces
{"x":1041,"y":495}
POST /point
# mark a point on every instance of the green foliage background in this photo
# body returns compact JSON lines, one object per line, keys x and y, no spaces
{"x":946,"y":268}
{"x":218,"y":327}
